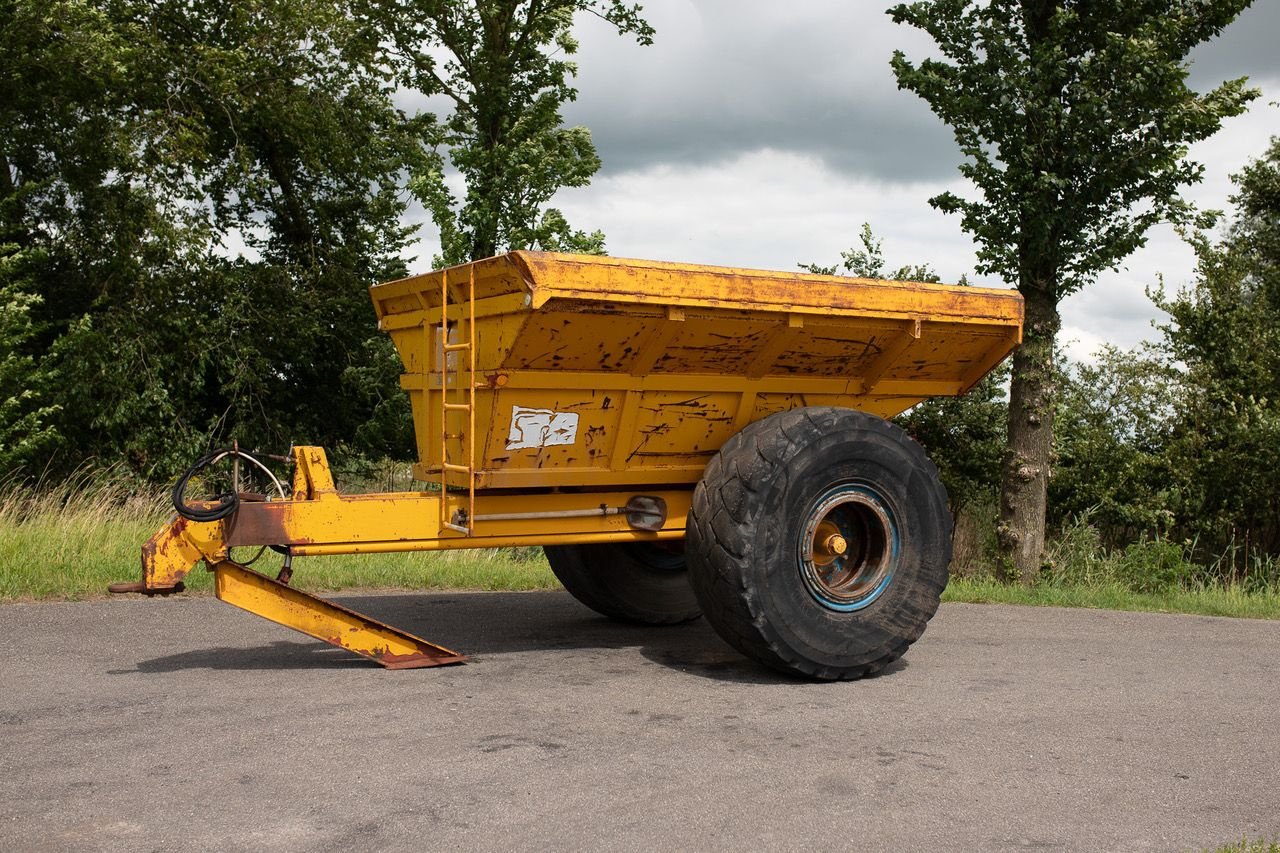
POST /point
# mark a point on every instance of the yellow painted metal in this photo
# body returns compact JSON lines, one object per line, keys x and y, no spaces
{"x":658,"y":364}
{"x":466,"y":436}
{"x":312,"y":478}
{"x":317,"y":520}
{"x":320,"y":521}
{"x":409,"y":521}
{"x":324,"y":620}
{"x":176,"y":548}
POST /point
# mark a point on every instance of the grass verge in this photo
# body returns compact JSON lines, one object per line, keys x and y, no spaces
{"x":1246,"y":846}
{"x":1206,"y":601}
{"x":77,"y":558}
{"x":71,"y":542}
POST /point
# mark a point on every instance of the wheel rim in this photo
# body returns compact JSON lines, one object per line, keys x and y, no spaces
{"x":848,"y":547}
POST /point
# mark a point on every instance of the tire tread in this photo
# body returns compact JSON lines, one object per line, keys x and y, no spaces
{"x":725,"y":509}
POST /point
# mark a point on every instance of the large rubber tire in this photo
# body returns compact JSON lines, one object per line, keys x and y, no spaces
{"x":638,"y":582}
{"x":797,"y":477}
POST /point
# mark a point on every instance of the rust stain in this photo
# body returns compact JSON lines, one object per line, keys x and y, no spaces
{"x":419,"y":659}
{"x":646,"y":434}
{"x":263,"y":524}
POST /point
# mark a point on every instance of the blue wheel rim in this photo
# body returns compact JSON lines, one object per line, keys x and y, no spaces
{"x":849,"y":547}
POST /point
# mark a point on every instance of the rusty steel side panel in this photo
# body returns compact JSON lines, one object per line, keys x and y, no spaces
{"x":603,"y":372}
{"x":629,"y":281}
{"x":175,"y":549}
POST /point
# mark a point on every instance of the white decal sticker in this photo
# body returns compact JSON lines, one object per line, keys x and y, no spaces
{"x":533,"y":428}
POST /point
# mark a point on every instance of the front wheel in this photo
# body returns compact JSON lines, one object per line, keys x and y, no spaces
{"x":819,"y":542}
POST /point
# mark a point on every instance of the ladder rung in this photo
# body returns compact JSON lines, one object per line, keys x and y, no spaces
{"x":457,"y":527}
{"x":465,"y":407}
{"x":456,"y":347}
{"x":449,"y":466}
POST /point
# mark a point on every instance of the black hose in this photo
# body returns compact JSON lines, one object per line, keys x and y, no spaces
{"x":226,"y":503}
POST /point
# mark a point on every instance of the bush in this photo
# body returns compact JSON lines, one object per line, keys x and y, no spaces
{"x":1154,"y":566}
{"x":1080,"y":557}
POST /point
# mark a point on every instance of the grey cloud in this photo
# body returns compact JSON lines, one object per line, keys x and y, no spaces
{"x":726,"y":78}
{"x":1247,"y":48}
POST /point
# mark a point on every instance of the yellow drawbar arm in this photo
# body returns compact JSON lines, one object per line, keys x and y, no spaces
{"x":317,"y":520}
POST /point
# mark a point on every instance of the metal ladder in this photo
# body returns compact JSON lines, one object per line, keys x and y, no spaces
{"x":467,"y":436}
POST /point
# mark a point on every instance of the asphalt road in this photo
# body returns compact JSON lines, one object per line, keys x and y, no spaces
{"x":184,"y":724}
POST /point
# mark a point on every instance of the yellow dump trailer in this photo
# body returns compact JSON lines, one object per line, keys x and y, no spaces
{"x":681,"y":439}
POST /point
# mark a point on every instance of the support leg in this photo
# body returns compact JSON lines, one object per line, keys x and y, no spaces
{"x":326,"y":621}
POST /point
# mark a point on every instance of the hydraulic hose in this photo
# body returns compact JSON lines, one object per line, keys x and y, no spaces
{"x":225,"y":503}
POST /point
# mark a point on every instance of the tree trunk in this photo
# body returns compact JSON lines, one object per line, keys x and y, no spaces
{"x":1025,"y":475}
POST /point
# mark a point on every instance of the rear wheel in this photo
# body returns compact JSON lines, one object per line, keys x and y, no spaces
{"x":819,"y":542}
{"x":643,"y":582}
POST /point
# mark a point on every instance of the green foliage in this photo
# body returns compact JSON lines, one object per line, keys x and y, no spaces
{"x":866,"y":260}
{"x":1079,"y":557}
{"x":25,"y":435}
{"x":1155,"y":565}
{"x":963,"y":435}
{"x":1073,"y":120}
{"x":1246,"y":846}
{"x":1178,"y":441}
{"x":506,"y":69}
{"x":1225,"y":330}
{"x":1114,"y":421}
{"x":202,"y":194}
{"x":1209,"y":601}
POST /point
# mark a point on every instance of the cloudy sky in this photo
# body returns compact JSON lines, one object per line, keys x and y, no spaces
{"x":763,"y":134}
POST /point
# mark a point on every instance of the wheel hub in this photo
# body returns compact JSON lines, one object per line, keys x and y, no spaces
{"x":848,"y":548}
{"x":835,"y":545}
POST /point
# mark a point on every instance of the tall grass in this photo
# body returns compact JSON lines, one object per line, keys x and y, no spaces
{"x":1222,"y":600}
{"x":1249,"y":846}
{"x":70,"y":540}
{"x":1151,"y":574}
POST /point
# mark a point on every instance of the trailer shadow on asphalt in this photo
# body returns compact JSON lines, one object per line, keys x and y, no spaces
{"x":488,"y":626}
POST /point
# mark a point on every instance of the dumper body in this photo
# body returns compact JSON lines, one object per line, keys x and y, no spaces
{"x":603,"y":372}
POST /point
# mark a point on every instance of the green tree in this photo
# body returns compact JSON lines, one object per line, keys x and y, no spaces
{"x":204,"y":192}
{"x":1115,"y":420}
{"x":1225,"y":329}
{"x":25,"y":434}
{"x":1074,"y":119}
{"x":866,"y":260}
{"x":964,"y":436}
{"x":505,"y":66}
